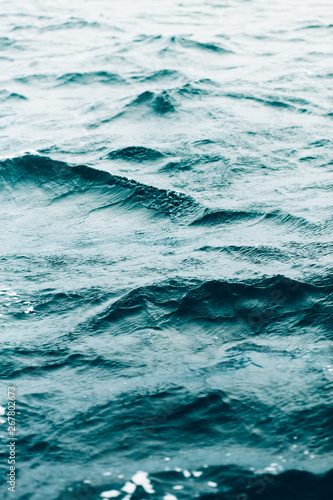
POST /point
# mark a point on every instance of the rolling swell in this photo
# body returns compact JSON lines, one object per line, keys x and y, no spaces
{"x":58,"y":180}
{"x":267,"y":305}
{"x":63,"y":180}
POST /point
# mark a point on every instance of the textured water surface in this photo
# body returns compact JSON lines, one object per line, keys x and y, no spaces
{"x":166,"y":248}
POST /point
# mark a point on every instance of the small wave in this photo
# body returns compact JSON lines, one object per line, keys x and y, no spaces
{"x":135,"y":153}
{"x":191,"y":89}
{"x":216,"y":217}
{"x":34,"y":79}
{"x":253,"y":253}
{"x":88,"y":78}
{"x":163,"y":74}
{"x":7,"y":96}
{"x":188,"y":43}
{"x":180,"y":164}
{"x":289,"y":219}
{"x":268,"y":101}
{"x":160,"y":103}
{"x":224,"y":217}
{"x":74,"y":23}
{"x":167,"y":43}
{"x":176,"y":166}
{"x":6,"y":42}
{"x":320,"y":143}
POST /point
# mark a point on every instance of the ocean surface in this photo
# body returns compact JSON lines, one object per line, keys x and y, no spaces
{"x":166,"y":248}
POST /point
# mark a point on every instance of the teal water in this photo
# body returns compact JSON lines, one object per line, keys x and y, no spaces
{"x":166,"y":249}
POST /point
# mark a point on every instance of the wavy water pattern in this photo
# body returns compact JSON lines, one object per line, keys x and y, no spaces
{"x":166,"y":288}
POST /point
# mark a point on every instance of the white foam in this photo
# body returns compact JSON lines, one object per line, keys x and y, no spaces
{"x":186,"y":473}
{"x":274,"y":468}
{"x":178,"y":487}
{"x":2,"y":410}
{"x":212,"y":484}
{"x":168,"y":496}
{"x":107,"y":473}
{"x":197,"y":473}
{"x":141,"y":478}
{"x":110,"y":494}
{"x":129,"y":487}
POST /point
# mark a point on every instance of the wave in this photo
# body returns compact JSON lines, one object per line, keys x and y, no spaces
{"x":35,"y":78}
{"x":270,"y":101}
{"x":160,"y":75}
{"x":190,"y":162}
{"x":6,"y":42}
{"x":167,"y":42}
{"x":90,"y":77}
{"x":262,"y":303}
{"x":192,"y":89}
{"x":163,"y":102}
{"x":212,"y":218}
{"x":189,"y":43}
{"x":217,"y":217}
{"x":7,"y":96}
{"x":77,"y":78}
{"x":75,"y":23}
{"x":159,"y":102}
{"x":135,"y":153}
{"x":253,"y":253}
{"x":58,"y":180}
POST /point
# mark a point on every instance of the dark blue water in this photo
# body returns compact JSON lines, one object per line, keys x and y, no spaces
{"x":166,"y":248}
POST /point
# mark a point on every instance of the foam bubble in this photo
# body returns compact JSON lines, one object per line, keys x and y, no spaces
{"x":141,"y":478}
{"x":212,"y":484}
{"x":129,"y":487}
{"x":274,"y":468}
{"x":110,"y":494}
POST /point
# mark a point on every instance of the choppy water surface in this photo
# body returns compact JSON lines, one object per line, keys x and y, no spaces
{"x":166,"y":242}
